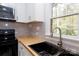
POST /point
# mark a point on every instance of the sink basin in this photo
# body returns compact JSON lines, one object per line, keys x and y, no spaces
{"x":45,"y":48}
{"x":49,"y":49}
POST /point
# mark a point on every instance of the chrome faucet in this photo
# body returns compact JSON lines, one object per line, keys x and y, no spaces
{"x":60,"y":42}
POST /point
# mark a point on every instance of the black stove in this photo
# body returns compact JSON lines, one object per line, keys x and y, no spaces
{"x":8,"y":43}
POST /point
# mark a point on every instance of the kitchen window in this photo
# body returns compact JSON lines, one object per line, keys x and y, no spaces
{"x":65,"y":16}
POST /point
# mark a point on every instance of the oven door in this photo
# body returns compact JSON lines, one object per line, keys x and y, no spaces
{"x":9,"y":49}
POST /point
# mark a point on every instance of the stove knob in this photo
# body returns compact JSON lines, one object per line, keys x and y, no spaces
{"x":6,"y":32}
{"x":5,"y":38}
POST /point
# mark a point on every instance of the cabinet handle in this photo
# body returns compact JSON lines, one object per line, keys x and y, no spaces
{"x":17,"y":17}
{"x":29,"y":17}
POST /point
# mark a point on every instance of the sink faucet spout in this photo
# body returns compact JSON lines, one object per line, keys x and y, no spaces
{"x":60,"y":41}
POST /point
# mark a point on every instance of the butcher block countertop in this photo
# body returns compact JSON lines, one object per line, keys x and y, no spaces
{"x":29,"y":40}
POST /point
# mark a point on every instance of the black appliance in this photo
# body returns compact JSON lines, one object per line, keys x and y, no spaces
{"x":6,"y":12}
{"x":8,"y":43}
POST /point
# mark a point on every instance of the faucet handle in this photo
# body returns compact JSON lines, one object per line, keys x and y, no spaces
{"x":59,"y":44}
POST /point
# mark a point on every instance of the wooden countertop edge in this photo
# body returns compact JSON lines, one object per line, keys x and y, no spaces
{"x":29,"y":49}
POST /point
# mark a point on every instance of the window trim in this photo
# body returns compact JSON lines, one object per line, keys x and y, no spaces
{"x":68,"y":37}
{"x":65,"y":16}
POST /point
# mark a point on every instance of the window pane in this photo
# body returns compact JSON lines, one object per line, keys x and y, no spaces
{"x":65,"y":9}
{"x":67,"y":24}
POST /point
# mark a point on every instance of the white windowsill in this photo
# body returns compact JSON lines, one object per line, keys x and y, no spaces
{"x":76,"y":38}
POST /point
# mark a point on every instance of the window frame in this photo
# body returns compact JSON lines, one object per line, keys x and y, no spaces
{"x":64,"y":36}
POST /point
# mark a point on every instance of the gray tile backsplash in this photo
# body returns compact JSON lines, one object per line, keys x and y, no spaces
{"x":20,"y":29}
{"x":23,"y":29}
{"x":36,"y":29}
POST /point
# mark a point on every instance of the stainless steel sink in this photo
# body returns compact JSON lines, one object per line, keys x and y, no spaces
{"x":49,"y":49}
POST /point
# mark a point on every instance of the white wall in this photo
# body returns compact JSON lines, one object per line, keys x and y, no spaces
{"x":47,"y":18}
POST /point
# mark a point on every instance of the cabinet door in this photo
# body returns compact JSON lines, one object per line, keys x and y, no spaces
{"x":39,"y":11}
{"x":30,"y":11}
{"x":20,"y":11}
{"x":35,"y":11}
{"x":19,"y":50}
{"x":22,"y":51}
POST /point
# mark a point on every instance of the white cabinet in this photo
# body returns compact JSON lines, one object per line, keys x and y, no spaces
{"x":36,"y":12}
{"x":20,"y":12}
{"x":39,"y":11}
{"x":22,"y":51}
{"x":30,"y":10}
{"x":27,"y":12}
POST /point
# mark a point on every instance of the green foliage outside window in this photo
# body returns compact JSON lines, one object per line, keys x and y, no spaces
{"x":67,"y":24}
